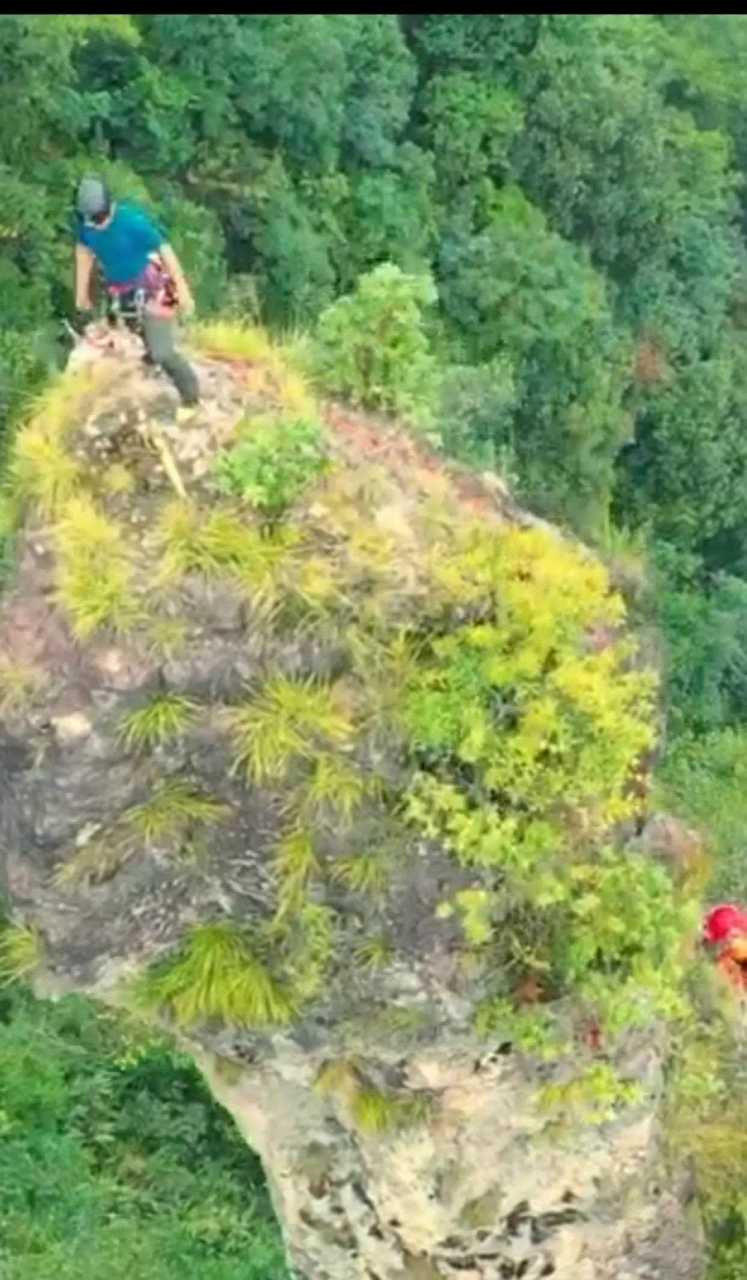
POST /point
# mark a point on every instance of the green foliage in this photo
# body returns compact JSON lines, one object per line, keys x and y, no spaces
{"x":475,"y":416}
{"x":526,"y":738}
{"x":308,"y":945}
{"x":376,"y":1113}
{"x":295,"y":862}
{"x":516,"y":292}
{"x":115,"y":1160}
{"x":215,"y":975}
{"x":704,"y":778}
{"x":372,"y":345}
{"x":334,"y":792}
{"x":284,"y":723}
{"x":685,"y":473}
{"x":173,"y":810}
{"x":95,"y":572}
{"x":19,"y":683}
{"x":367,"y":872}
{"x":471,"y":124}
{"x":475,"y":906}
{"x":167,"y":716}
{"x":534,"y":1031}
{"x":273,"y":462}
{"x":707,"y":669}
{"x":595,"y":1096}
{"x":21,"y":952}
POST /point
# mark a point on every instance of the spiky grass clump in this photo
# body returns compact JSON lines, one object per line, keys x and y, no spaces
{"x":231,"y":339}
{"x":192,"y":543}
{"x":43,"y":472}
{"x":215,"y":975}
{"x":19,"y":683}
{"x":269,"y":558}
{"x":374,"y":953}
{"x":224,"y":543}
{"x":285,"y":722}
{"x":295,"y":863}
{"x":21,"y":952}
{"x":117,"y":479}
{"x":374,"y":1111}
{"x":334,"y":792}
{"x":173,"y":809}
{"x":367,"y":873}
{"x":377,"y":1113}
{"x":95,"y":862}
{"x":167,"y":637}
{"x":166,"y":717}
{"x":95,"y":570}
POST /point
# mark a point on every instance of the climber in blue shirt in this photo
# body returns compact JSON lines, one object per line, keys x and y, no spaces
{"x":136,"y":260}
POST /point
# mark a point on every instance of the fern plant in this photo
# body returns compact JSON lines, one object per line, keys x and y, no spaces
{"x":215,"y":974}
{"x":166,"y":717}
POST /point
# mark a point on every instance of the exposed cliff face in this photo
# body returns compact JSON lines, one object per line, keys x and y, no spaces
{"x":215,"y":741}
{"x":484,"y":1190}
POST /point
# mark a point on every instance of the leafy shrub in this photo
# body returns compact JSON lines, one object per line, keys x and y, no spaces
{"x":707,"y":664}
{"x":273,"y":462}
{"x":526,"y":739}
{"x":704,"y":778}
{"x":372,"y":344}
{"x":114,"y":1159}
{"x":475,"y":414}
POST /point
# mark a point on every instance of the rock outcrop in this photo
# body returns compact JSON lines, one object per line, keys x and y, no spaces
{"x":203,"y":731}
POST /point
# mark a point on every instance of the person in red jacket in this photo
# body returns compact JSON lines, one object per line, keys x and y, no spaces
{"x":725,"y":931}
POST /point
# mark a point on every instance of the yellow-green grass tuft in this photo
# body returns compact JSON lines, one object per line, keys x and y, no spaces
{"x":173,"y":809}
{"x":95,"y":572}
{"x":21,"y":952}
{"x":285,"y":722}
{"x":166,"y":717}
{"x":215,"y":975}
{"x":19,"y":683}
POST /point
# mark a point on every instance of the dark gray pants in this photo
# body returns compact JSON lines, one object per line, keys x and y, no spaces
{"x":160,"y":340}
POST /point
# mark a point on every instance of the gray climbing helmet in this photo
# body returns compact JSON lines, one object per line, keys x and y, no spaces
{"x":94,"y":199}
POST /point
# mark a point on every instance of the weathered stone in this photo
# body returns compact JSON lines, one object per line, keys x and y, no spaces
{"x":480,"y":1185}
{"x":71,"y":727}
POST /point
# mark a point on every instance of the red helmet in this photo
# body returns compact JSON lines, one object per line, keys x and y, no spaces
{"x":724,"y":921}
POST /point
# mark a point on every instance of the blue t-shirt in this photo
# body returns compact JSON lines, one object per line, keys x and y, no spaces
{"x":124,"y":246}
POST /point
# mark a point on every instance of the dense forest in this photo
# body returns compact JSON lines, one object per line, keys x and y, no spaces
{"x":546,"y":214}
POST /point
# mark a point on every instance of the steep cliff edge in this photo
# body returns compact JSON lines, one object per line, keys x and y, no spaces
{"x":322,"y":753}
